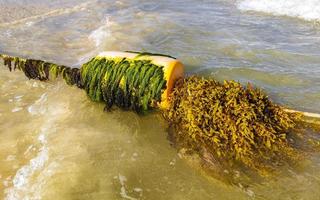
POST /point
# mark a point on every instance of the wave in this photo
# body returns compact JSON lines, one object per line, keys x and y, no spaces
{"x":29,"y":178}
{"x":102,"y":33}
{"x":308,"y":9}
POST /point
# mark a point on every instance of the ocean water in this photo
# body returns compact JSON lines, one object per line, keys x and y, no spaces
{"x":57,"y":144}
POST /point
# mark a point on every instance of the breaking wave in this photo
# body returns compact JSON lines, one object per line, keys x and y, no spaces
{"x":102,"y":33}
{"x":30,"y":178}
{"x":308,"y":9}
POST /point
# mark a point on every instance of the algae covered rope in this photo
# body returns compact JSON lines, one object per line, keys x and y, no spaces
{"x":42,"y":70}
{"x":136,"y":83}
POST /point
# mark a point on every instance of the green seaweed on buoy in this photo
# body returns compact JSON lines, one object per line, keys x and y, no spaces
{"x":127,"y":83}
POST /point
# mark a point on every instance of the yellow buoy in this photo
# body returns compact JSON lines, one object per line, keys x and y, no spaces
{"x":173,"y":69}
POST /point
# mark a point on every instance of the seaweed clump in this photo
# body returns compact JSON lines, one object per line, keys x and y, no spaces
{"x":42,"y":70}
{"x":237,"y":125}
{"x":127,"y":83}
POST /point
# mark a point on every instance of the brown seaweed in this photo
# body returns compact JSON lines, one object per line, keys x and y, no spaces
{"x":236,"y":124}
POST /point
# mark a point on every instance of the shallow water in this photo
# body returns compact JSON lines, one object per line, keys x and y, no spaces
{"x":56,"y":144}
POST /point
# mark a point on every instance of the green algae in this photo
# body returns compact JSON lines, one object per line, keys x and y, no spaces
{"x":42,"y":70}
{"x":149,"y":54}
{"x":236,"y":124}
{"x":127,"y":83}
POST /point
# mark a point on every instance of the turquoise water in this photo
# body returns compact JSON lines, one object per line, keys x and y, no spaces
{"x":56,"y":144}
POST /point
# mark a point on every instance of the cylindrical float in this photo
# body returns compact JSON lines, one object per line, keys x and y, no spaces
{"x":130,"y":80}
{"x":172,"y":70}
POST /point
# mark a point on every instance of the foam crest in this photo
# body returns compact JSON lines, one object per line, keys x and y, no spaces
{"x":28,"y":180}
{"x":39,"y":106}
{"x":23,"y":176}
{"x":308,"y":9}
{"x":123,"y":191}
{"x":102,"y":33}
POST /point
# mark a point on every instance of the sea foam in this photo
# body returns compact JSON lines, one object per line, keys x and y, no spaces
{"x":102,"y":33}
{"x":307,"y":9}
{"x":29,"y":178}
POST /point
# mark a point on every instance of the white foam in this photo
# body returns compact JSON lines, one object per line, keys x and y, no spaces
{"x":17,"y":109}
{"x":29,"y":179}
{"x":39,"y":106}
{"x":137,"y":190}
{"x":18,"y":97}
{"x":304,"y":9}
{"x":102,"y":33}
{"x":23,"y":175}
{"x":11,"y":157}
{"x":123,"y":191}
{"x":28,"y":150}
